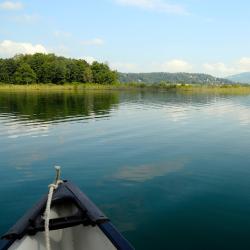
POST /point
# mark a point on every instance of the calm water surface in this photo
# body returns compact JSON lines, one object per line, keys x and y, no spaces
{"x":171,"y":170}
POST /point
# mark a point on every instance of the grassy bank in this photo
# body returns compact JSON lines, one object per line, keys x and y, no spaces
{"x":81,"y":87}
{"x":213,"y":89}
{"x":58,"y":87}
{"x":185,"y":88}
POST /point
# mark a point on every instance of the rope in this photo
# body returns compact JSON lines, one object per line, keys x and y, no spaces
{"x":52,"y":188}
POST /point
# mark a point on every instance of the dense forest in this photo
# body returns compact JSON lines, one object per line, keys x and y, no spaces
{"x":163,"y":77}
{"x":49,"y":68}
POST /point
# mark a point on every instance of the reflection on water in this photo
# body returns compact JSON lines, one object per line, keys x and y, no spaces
{"x":148,"y":172}
{"x":31,"y":114}
{"x":170,"y":169}
{"x":42,"y":106}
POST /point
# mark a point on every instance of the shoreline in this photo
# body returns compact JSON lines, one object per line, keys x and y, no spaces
{"x":182,"y":88}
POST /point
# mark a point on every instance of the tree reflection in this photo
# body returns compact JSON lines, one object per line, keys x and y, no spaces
{"x":45,"y":106}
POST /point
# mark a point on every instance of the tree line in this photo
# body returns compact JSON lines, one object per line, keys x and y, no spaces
{"x":172,"y":78}
{"x":49,"y":68}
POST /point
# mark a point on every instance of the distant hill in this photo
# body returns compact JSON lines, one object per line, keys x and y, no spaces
{"x":241,"y":78}
{"x":158,"y":77}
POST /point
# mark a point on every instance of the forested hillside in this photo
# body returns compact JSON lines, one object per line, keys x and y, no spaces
{"x":49,"y":68}
{"x":158,"y":77}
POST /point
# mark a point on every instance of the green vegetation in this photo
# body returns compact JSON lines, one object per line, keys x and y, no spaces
{"x":42,"y":68}
{"x":171,"y":78}
{"x":24,"y":74}
{"x":77,"y":87}
{"x":48,"y":72}
{"x":234,"y":89}
{"x":66,"y":87}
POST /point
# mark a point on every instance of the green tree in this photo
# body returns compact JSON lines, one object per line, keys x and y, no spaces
{"x":102,"y":73}
{"x":24,"y":74}
{"x":49,"y":68}
{"x":36,"y":61}
{"x":79,"y":71}
{"x":53,"y":72}
{"x":58,"y":72}
{"x":7,"y":70}
{"x":87,"y":75}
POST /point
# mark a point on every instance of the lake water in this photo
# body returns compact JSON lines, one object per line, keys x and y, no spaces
{"x":171,"y":170}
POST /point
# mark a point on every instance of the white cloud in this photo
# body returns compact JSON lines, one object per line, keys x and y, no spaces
{"x":94,"y":41}
{"x":60,"y":50}
{"x":218,"y":69}
{"x":89,"y":59}
{"x":10,"y":48}
{"x":124,"y":67}
{"x":176,"y":65}
{"x":222,"y":70}
{"x":244,"y":64}
{"x":9,"y":5}
{"x":155,"y":5}
{"x":172,"y":66}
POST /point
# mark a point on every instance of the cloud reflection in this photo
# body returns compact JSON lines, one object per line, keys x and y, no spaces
{"x":147,"y":172}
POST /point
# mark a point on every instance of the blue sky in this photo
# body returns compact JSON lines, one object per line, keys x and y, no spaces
{"x":133,"y":35}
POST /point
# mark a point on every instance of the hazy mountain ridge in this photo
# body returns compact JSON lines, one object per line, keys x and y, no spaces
{"x":158,"y":77}
{"x":241,"y":78}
